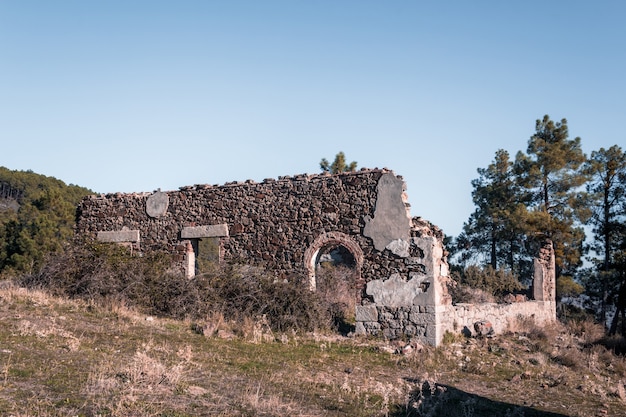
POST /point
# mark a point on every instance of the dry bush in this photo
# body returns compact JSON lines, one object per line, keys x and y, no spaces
{"x":243,"y":292}
{"x":111,"y":274}
{"x":210,"y":325}
{"x":608,"y":357}
{"x":477,"y":284}
{"x":529,"y":327}
{"x":539,"y":337}
{"x":567,"y":312}
{"x":461,"y":293}
{"x":335,"y":285}
{"x":615,"y":343}
{"x":572,"y":357}
{"x":98,"y":271}
{"x":587,"y":331}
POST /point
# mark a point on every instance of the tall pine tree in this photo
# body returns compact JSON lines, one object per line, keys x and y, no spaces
{"x":551,"y":172}
{"x":607,"y":195}
{"x":493,"y":232}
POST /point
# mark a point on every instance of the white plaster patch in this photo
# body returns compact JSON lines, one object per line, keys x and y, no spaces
{"x":390,"y":220}
{"x":157,"y":203}
{"x":395,"y":292}
{"x":399,"y":247}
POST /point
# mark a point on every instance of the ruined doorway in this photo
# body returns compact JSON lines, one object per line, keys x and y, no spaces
{"x":334,"y":262}
{"x":335,"y":280}
{"x":207,"y":253}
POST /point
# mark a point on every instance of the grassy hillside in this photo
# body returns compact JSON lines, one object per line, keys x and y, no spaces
{"x":61,"y":357}
{"x":37,"y":216}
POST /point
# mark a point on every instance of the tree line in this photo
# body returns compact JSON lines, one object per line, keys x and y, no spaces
{"x":37,"y":217}
{"x":552,"y":191}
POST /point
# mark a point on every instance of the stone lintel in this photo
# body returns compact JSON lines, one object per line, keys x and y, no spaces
{"x":119,"y":236}
{"x":198,"y":232}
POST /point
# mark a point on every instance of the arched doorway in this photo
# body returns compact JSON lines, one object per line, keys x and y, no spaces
{"x":334,"y":263}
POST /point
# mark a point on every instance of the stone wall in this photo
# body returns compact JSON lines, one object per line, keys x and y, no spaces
{"x":400,"y":309}
{"x":286,"y":225}
{"x":409,"y":305}
{"x":282,"y":225}
{"x":461,"y":318}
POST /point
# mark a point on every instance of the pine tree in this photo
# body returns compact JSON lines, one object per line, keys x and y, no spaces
{"x":37,"y":216}
{"x":492,"y":231}
{"x":551,"y":172}
{"x":607,"y":194}
{"x":338,"y":165}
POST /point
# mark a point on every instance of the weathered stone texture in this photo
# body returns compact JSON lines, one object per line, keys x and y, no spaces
{"x":120,"y":236}
{"x":198,"y":232}
{"x":544,"y":276}
{"x":283,"y":225}
{"x":270,"y":224}
{"x":460,"y":317}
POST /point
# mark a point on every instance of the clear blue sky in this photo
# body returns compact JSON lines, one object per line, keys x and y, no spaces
{"x":139,"y":95}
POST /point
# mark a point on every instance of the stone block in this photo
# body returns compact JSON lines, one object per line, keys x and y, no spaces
{"x":483,"y":328}
{"x":359,"y":329}
{"x":422,"y":318}
{"x":386,"y":315}
{"x":366,"y":313}
{"x":199,"y":232}
{"x":392,"y":333}
{"x":119,"y":236}
{"x":395,"y":324}
{"x":410,"y":330}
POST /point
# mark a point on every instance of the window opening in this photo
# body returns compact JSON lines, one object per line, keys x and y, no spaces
{"x":207,"y":252}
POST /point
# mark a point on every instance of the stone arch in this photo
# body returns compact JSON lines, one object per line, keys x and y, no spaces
{"x":328,"y":240}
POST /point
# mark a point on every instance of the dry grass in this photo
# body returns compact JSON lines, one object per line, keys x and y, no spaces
{"x":73,"y":358}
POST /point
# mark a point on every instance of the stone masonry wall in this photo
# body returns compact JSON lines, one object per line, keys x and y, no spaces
{"x":461,"y":317}
{"x":274,"y":224}
{"x":285,"y":225}
{"x":400,"y":308}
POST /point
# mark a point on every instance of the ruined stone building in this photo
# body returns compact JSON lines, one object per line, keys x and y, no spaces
{"x":288,"y":225}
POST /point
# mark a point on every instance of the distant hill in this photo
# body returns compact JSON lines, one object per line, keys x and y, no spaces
{"x":37,"y":216}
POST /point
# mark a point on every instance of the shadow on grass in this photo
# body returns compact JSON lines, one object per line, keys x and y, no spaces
{"x":614,"y":343}
{"x":437,"y":400}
